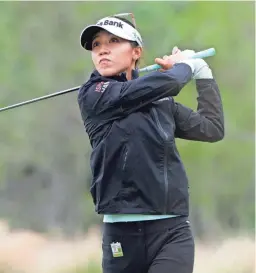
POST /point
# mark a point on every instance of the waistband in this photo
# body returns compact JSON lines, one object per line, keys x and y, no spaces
{"x":113,"y":218}
{"x":121,"y":228}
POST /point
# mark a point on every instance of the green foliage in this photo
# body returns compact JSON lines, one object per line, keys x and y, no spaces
{"x":44,"y":150}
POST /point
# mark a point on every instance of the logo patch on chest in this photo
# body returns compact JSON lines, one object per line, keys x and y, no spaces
{"x":101,"y":87}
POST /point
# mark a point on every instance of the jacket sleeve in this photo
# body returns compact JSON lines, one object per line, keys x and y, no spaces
{"x":205,"y":124}
{"x":118,"y":98}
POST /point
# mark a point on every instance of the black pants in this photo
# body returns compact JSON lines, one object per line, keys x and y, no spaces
{"x":158,"y":246}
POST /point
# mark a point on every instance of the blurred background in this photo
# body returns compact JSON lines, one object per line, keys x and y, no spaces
{"x":47,"y":218}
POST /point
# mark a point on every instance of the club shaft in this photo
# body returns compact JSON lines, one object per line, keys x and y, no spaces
{"x":40,"y":98}
{"x":201,"y":54}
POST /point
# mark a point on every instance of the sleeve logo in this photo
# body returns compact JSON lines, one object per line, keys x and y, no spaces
{"x":101,"y":87}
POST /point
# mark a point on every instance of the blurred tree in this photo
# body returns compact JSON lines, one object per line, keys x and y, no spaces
{"x":44,"y":160}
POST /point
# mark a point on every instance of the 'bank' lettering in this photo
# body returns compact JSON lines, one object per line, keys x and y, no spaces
{"x":111,"y":23}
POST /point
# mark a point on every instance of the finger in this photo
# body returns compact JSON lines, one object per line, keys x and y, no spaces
{"x":161,"y":62}
{"x":174,"y":50}
{"x":188,"y":53}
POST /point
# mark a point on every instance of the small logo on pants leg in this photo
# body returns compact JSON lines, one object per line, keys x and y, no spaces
{"x":117,"y":249}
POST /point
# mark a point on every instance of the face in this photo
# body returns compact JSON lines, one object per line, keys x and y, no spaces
{"x":112,"y":55}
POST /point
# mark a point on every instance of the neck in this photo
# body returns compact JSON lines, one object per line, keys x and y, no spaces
{"x":128,"y":75}
{"x":129,"y":72}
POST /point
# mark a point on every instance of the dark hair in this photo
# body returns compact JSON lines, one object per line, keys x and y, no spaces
{"x":133,"y":43}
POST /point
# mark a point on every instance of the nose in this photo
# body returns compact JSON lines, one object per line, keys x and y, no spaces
{"x":104,"y":50}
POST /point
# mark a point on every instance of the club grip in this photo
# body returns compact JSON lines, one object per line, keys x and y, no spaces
{"x":201,"y":54}
{"x":205,"y":53}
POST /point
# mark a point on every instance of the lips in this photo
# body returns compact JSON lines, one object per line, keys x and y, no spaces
{"x":104,"y":60}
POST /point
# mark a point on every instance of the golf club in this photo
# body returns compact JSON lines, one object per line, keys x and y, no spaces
{"x":201,"y":54}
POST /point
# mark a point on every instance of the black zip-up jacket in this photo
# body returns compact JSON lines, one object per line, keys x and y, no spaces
{"x":132,"y":126}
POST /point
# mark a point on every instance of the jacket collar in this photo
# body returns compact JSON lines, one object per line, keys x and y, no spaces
{"x":95,"y":76}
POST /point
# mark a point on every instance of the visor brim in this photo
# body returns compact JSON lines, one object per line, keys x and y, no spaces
{"x":89,"y":32}
{"x":87,"y":36}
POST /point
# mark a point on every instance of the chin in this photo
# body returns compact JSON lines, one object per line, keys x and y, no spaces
{"x":108,"y":72}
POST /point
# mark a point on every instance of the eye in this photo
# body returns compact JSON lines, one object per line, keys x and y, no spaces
{"x":114,"y":40}
{"x":95,"y":43}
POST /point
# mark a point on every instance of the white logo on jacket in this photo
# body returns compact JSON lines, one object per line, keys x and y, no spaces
{"x":164,"y":99}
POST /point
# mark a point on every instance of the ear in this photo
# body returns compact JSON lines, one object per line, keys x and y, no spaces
{"x":137,"y":51}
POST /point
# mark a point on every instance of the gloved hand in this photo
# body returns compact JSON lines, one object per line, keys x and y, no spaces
{"x":202,"y":70}
{"x":168,"y":61}
{"x":187,"y":53}
{"x":199,"y":67}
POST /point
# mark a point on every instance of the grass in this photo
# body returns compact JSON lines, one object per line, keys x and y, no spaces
{"x":23,"y":251}
{"x":92,"y":267}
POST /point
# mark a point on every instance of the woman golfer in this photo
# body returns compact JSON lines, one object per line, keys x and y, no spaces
{"x":139,"y":181}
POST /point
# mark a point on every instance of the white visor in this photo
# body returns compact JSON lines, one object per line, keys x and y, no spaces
{"x":112,"y":25}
